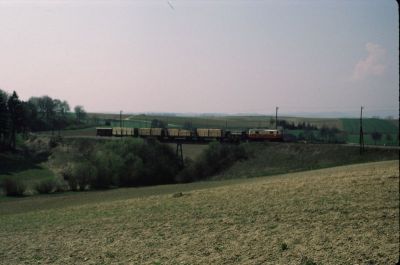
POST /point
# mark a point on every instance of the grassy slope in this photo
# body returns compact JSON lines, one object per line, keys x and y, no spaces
{"x":277,"y":158}
{"x":369,"y":125}
{"x":352,"y":126}
{"x":345,"y":215}
{"x":30,"y":172}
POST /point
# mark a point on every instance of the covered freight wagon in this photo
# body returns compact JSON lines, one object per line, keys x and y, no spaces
{"x":174,"y":133}
{"x":207,"y":134}
{"x":123,"y":131}
{"x":151,"y":132}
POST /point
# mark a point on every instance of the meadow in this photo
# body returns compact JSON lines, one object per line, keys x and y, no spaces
{"x":26,"y":170}
{"x":342,"y":215}
{"x":279,"y":158}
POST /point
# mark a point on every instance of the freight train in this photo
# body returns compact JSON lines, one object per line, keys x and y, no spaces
{"x":196,"y":135}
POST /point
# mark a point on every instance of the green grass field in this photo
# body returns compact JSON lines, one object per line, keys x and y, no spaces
{"x":278,"y":158}
{"x":369,"y":125}
{"x":344,"y":215}
{"x":30,"y":172}
{"x":385,"y":127}
{"x":355,"y":138}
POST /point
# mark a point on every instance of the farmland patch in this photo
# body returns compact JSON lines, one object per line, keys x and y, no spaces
{"x":332,"y":216}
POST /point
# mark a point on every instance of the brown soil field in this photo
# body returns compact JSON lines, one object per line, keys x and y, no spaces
{"x":342,"y":215}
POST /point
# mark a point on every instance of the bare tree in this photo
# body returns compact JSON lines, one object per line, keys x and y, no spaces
{"x":80,"y":113}
{"x":16,"y":116}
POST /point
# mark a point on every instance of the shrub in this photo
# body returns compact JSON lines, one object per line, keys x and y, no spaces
{"x":13,"y":187}
{"x":61,"y":186}
{"x":160,"y":164}
{"x":83,"y":148}
{"x":138,"y":163}
{"x":132,"y":172}
{"x":46,"y":186}
{"x":217,"y":157}
{"x":68,"y":176}
{"x":185,"y":175}
{"x":37,"y":148}
{"x":55,"y":141}
{"x":128,"y":162}
{"x":83,"y":175}
{"x":108,"y":166}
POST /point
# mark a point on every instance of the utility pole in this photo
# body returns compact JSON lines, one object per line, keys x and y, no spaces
{"x":361,"y":133}
{"x":276,"y":118}
{"x":120,"y":118}
{"x":120,"y":122}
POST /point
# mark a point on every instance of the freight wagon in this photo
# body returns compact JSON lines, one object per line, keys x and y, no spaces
{"x":197,"y":135}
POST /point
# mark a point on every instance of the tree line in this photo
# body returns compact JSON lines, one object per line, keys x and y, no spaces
{"x":37,"y":114}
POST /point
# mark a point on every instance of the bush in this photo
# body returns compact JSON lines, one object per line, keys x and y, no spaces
{"x":216,"y":158}
{"x":133,"y":162}
{"x":83,"y":175}
{"x":132,"y":173}
{"x":185,"y":175}
{"x":160,"y":164}
{"x":68,"y":176}
{"x":46,"y":186}
{"x":61,"y":186}
{"x":128,"y":162}
{"x":13,"y":187}
{"x":37,"y":148}
{"x":108,"y":167}
{"x":55,"y":141}
{"x":79,"y":176}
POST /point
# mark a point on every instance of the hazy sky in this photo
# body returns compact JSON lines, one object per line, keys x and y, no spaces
{"x":204,"y":56}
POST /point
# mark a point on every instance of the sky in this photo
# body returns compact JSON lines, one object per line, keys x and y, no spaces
{"x":204,"y":56}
